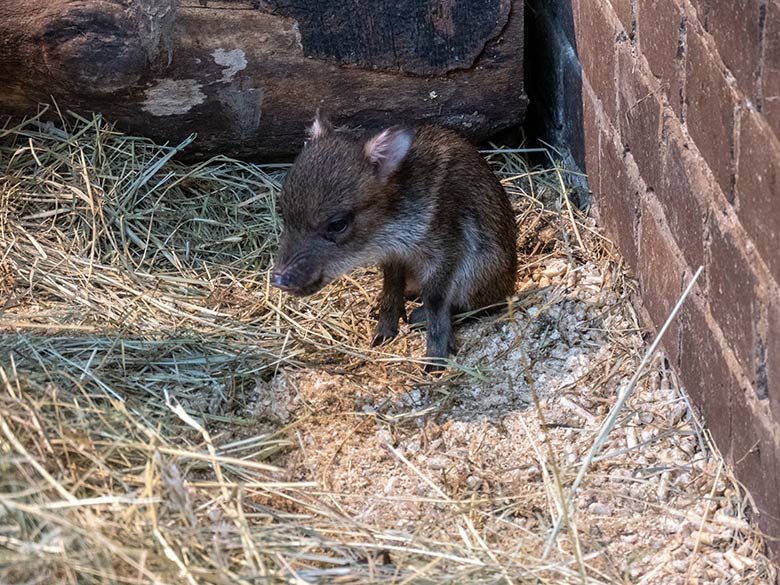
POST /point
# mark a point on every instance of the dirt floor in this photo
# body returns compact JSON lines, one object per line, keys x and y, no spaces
{"x":475,"y":461}
{"x":167,"y":417}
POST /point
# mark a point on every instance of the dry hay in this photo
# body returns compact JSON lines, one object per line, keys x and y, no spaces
{"x":167,"y":417}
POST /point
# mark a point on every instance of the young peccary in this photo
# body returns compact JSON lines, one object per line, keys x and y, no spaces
{"x":421,"y":202}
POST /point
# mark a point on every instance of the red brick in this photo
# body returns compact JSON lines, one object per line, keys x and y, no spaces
{"x":592,"y":139}
{"x":754,"y":458}
{"x":734,"y":24}
{"x":660,"y":287}
{"x":743,"y":434}
{"x":623,"y":10}
{"x":639,"y":112}
{"x":758,"y":186}
{"x":660,"y":25}
{"x":771,"y":74}
{"x":682,"y":179}
{"x":706,"y":374}
{"x":733,"y":290}
{"x":710,"y":113}
{"x":597,"y":31}
{"x":702,"y":10}
{"x":618,"y":200}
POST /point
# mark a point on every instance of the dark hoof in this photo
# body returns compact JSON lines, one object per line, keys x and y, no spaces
{"x":385,"y":331}
{"x":379,"y":339}
{"x":434,"y":368}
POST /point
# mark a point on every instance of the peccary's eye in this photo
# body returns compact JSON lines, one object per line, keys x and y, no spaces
{"x":338,"y":225}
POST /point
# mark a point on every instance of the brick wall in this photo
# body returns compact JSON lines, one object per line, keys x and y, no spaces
{"x":672,"y":108}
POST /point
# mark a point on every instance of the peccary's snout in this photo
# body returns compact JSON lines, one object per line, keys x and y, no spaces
{"x":283,"y":281}
{"x":296,"y":280}
{"x":299,"y":273}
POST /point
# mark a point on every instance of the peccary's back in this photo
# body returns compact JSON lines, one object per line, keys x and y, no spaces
{"x":473,"y":226}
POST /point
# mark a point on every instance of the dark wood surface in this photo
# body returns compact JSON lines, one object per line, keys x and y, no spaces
{"x":247,"y":76}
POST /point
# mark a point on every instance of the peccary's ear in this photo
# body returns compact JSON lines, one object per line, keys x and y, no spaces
{"x":320,"y":127}
{"x":386,"y":150}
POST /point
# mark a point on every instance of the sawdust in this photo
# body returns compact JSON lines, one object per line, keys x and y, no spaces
{"x":412,"y":457}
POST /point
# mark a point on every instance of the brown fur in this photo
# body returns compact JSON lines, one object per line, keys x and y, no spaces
{"x":420,"y":202}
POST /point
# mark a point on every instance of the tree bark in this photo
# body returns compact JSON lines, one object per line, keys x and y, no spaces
{"x":247,"y":75}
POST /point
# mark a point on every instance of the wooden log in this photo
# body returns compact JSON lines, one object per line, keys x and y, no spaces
{"x":247,"y":75}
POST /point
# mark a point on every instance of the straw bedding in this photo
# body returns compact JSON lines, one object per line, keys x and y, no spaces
{"x":167,"y":417}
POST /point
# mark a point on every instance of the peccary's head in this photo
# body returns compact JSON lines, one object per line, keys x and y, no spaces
{"x":336,"y":204}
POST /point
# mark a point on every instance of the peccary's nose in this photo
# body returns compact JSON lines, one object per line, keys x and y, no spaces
{"x":281,"y":280}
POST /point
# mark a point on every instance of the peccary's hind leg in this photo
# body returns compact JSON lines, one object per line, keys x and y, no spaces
{"x":440,"y":340}
{"x":391,"y":307}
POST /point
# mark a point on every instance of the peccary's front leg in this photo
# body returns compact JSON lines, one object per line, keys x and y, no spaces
{"x":440,"y":339}
{"x":392,"y":304}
